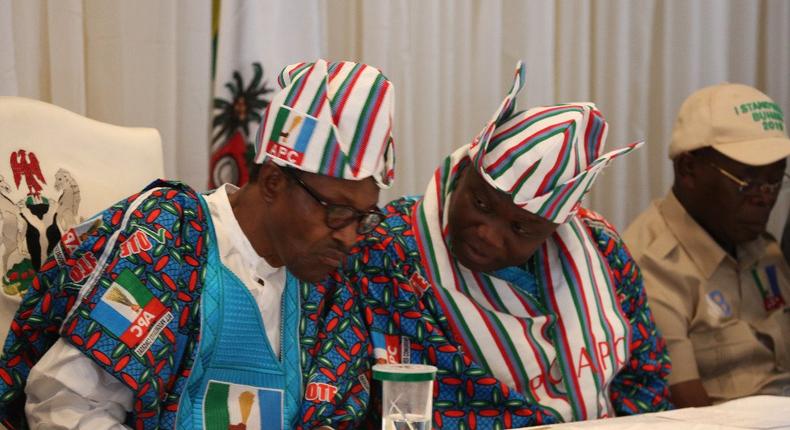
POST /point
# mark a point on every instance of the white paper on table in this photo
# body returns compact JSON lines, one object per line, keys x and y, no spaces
{"x":652,"y":421}
{"x":756,"y":412}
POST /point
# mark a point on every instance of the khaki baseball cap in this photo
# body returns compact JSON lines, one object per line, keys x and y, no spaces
{"x":734,"y":119}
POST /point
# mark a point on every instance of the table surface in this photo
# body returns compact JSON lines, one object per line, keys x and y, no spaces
{"x":756,"y":412}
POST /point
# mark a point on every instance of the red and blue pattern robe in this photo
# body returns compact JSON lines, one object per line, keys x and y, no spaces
{"x":163,"y":240}
{"x":407,"y":324}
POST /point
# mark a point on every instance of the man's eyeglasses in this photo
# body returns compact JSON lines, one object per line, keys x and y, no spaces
{"x":339,"y":216}
{"x":751,"y":186}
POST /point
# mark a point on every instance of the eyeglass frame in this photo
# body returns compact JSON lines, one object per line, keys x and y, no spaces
{"x":359,"y":215}
{"x":763,"y":188}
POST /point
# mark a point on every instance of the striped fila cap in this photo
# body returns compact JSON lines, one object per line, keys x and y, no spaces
{"x":334,"y":119}
{"x":545,"y":158}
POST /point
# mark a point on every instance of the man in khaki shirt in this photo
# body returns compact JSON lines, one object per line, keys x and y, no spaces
{"x":718,"y":284}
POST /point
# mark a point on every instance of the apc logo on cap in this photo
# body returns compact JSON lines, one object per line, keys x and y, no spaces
{"x":291,"y":135}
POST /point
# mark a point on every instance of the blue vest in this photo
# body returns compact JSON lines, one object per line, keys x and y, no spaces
{"x":236,"y":378}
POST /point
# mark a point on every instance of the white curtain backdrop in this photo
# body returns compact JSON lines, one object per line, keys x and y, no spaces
{"x":147,"y":63}
{"x":130,"y":63}
{"x":452,"y":62}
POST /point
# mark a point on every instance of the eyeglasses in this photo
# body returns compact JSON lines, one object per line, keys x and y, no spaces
{"x":752,"y":187}
{"x":339,"y":216}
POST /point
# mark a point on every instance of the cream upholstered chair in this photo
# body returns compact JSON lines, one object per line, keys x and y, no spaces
{"x":56,"y":169}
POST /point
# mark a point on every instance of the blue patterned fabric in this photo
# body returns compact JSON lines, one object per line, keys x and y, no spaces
{"x":234,"y":349}
{"x":162,"y":237}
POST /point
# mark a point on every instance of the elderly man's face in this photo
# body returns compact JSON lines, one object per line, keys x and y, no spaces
{"x":301,"y":238}
{"x":487,"y":230}
{"x":731,"y":212}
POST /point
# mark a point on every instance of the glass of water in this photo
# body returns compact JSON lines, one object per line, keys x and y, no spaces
{"x":407,"y":395}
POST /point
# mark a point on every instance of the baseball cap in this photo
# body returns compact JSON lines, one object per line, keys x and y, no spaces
{"x":734,"y":119}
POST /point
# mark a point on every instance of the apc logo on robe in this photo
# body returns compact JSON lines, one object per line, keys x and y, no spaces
{"x":242,"y":407}
{"x":391,"y":349}
{"x":292,"y":133}
{"x":130,"y":312}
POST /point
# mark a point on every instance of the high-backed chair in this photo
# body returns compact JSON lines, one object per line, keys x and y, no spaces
{"x":58,"y":168}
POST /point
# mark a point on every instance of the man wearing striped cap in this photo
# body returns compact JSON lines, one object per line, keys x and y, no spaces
{"x":200,"y":311}
{"x":529,"y":305}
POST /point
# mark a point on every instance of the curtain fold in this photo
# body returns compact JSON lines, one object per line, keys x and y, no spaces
{"x":144,"y":63}
{"x":148,"y":63}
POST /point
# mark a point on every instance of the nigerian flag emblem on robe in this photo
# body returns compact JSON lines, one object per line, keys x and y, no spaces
{"x":241,"y":407}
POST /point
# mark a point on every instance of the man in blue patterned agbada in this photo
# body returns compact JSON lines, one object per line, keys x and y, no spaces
{"x":175,"y":309}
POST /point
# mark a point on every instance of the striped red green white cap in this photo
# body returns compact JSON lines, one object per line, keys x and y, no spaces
{"x":333,"y":119}
{"x":546,"y":158}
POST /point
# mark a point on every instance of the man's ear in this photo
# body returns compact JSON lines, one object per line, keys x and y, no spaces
{"x":686,"y":166}
{"x":271,"y":181}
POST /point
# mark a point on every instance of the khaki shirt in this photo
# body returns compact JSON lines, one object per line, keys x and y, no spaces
{"x":726,"y":322}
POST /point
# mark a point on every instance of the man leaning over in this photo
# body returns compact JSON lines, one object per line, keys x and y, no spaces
{"x":529,"y":305}
{"x":196,"y":309}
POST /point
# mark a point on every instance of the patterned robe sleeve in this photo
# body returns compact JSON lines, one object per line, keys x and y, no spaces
{"x":641,"y":386}
{"x":35,"y":326}
{"x":159,"y":258}
{"x":334,"y":352}
{"x":158,"y":238}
